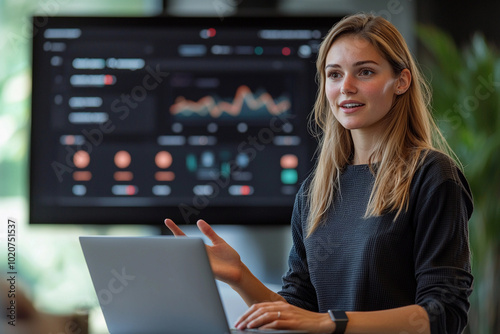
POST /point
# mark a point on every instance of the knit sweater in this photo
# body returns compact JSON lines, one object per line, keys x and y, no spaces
{"x":353,"y":263}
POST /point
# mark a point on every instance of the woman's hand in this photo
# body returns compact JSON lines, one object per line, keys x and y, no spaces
{"x":224,"y":260}
{"x":281,"y":315}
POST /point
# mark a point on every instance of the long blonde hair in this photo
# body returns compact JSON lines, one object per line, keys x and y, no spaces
{"x":410,"y":129}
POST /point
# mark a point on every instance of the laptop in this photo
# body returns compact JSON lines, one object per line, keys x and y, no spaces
{"x":156,"y":285}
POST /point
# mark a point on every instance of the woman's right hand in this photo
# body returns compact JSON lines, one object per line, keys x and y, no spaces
{"x":224,"y":260}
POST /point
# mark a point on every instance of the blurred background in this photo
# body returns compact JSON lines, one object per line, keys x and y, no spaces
{"x":455,"y":44}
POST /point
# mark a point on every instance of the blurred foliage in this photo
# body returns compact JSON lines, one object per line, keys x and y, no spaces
{"x":466,"y":101}
{"x":14,"y":99}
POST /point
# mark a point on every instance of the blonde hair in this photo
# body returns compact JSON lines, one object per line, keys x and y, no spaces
{"x":409,"y":132}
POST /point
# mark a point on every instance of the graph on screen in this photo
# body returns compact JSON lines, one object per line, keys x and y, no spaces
{"x":244,"y":104}
{"x":226,"y":97}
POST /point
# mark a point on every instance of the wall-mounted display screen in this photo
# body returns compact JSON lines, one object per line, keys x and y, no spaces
{"x":138,"y":119}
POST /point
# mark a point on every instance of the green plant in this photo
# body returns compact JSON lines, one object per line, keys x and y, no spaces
{"x":466,"y":102}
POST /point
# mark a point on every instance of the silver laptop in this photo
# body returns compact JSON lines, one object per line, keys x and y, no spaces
{"x":156,"y":285}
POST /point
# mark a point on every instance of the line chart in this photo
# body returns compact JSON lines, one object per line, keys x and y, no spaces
{"x":244,"y":100}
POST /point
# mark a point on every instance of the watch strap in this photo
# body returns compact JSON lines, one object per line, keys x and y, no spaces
{"x":340,"y":319}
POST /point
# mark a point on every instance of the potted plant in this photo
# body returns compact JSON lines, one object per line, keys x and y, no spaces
{"x":466,"y":104}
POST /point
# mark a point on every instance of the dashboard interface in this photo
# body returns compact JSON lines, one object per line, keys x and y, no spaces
{"x":138,"y":119}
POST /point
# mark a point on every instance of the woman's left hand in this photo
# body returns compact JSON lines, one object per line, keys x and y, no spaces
{"x":281,"y":315}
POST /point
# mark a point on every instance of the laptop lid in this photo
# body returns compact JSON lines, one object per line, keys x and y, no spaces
{"x":154,"y":285}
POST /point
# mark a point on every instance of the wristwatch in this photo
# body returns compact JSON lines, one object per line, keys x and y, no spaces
{"x":340,"y":319}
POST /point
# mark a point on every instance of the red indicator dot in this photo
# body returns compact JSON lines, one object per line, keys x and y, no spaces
{"x":211,"y":32}
{"x":286,"y":51}
{"x":109,"y":79}
{"x":245,"y":190}
{"x":130,"y":190}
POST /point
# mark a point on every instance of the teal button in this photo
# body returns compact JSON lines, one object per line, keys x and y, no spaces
{"x":225,"y":169}
{"x":289,"y":176}
{"x":191,"y":163}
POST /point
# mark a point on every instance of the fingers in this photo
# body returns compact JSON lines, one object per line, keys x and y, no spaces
{"x":174,"y":228}
{"x":202,"y":225}
{"x":264,"y":315}
{"x":209,"y":232}
{"x":262,"y":320}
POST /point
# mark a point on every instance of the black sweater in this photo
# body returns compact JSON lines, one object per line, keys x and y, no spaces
{"x":355,"y":264}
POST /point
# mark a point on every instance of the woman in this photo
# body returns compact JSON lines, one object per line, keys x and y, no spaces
{"x":380,"y":236}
